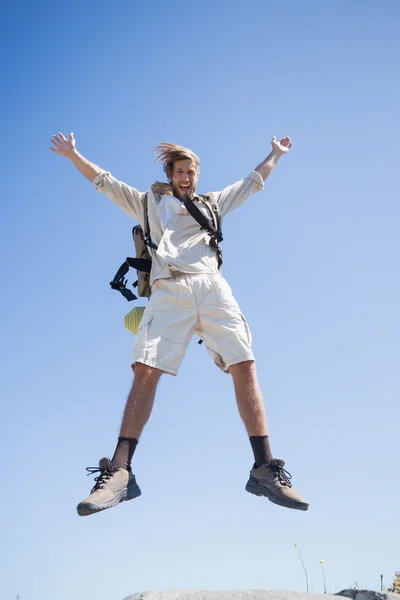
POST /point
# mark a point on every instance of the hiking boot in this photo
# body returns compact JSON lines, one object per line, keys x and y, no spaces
{"x":113,"y":485}
{"x":273,"y":481}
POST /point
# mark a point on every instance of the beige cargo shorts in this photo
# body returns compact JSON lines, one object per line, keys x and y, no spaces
{"x":188,"y":304}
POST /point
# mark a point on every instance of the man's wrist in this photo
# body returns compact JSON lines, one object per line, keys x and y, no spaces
{"x":275,"y":154}
{"x":72,"y":154}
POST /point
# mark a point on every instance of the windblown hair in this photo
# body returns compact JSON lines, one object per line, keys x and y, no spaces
{"x":168,"y":153}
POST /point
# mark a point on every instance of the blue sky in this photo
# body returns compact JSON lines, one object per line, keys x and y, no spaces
{"x":313,"y":261}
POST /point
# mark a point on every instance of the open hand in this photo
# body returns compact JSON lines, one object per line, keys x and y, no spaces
{"x":282,"y":146}
{"x":62,"y":146}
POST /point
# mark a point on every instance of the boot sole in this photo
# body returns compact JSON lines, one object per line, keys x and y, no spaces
{"x":90,"y":508}
{"x":259,"y":490}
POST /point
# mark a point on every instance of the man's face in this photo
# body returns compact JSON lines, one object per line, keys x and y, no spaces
{"x":184,"y":178}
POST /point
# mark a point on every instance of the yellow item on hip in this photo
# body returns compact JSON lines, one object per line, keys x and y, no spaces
{"x":133,"y":318}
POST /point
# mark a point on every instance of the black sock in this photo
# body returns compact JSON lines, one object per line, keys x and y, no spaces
{"x":261,"y":450}
{"x":123,"y":453}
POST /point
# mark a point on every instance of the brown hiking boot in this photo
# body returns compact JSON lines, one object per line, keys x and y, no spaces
{"x":113,"y":485}
{"x":273,"y":481}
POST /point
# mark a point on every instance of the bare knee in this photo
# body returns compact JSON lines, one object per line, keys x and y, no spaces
{"x":243,"y":369}
{"x":143,"y":374}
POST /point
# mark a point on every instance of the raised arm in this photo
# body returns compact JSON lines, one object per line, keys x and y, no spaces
{"x":278,"y":149}
{"x":66,"y":147}
{"x":125,"y":196}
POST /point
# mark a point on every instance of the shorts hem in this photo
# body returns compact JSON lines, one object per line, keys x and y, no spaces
{"x":150,"y":363}
{"x":235,"y":361}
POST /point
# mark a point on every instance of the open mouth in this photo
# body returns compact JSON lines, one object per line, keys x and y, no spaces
{"x":185,"y":189}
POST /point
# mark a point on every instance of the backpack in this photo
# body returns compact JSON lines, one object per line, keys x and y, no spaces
{"x":143,"y":243}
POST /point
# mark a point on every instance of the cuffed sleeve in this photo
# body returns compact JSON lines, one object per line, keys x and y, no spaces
{"x":235,"y":195}
{"x":126,"y":197}
{"x":256,"y":177}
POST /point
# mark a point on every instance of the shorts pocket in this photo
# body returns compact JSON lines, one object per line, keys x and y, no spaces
{"x":224,"y":293}
{"x":247,"y":329}
{"x":164,"y":296}
{"x":143,"y":341}
{"x":144,"y":322}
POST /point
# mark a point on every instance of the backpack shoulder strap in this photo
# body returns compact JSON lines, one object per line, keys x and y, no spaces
{"x":147,"y":237}
{"x":212,"y":204}
{"x":212,"y":227}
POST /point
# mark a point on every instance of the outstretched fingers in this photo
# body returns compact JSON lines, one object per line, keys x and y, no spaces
{"x":62,"y":145}
{"x":56,"y":140}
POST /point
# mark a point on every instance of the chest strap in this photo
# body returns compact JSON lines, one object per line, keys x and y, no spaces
{"x":213,"y":227}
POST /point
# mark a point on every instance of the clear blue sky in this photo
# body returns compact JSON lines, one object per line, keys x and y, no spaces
{"x":313,"y":260}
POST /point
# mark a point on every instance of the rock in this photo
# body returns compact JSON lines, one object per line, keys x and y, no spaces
{"x":227,"y":595}
{"x":258,"y":595}
{"x":367,"y":595}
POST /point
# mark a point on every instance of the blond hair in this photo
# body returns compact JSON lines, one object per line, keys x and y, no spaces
{"x":169,"y":153}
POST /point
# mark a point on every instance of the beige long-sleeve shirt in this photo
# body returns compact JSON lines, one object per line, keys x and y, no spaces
{"x":181,"y":244}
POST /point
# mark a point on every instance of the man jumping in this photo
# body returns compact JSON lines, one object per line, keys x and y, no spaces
{"x":188,"y":295}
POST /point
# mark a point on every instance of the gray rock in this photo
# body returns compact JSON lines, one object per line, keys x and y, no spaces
{"x":367,"y":595}
{"x":227,"y":595}
{"x":257,"y":595}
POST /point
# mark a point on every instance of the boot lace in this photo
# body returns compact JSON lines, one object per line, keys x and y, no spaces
{"x":105,"y":475}
{"x":284,"y":477}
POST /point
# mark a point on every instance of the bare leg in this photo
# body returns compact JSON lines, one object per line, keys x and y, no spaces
{"x":116,"y":481}
{"x":140,"y":401}
{"x":249,"y":398}
{"x":268,"y":476}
